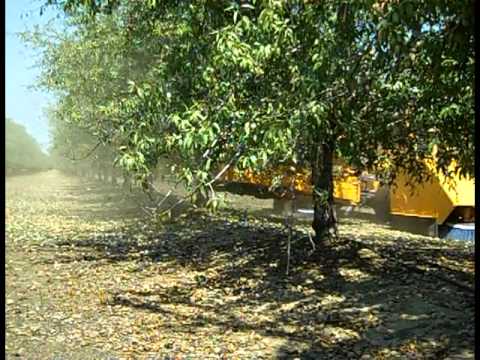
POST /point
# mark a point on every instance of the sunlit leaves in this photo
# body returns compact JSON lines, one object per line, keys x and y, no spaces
{"x":194,"y":81}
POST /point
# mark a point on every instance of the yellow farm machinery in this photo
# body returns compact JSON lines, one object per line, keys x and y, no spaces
{"x":446,"y":208}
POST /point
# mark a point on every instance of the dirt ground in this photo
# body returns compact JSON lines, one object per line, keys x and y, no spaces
{"x":90,"y":276}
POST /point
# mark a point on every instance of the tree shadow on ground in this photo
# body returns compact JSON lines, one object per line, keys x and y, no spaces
{"x":343,"y":300}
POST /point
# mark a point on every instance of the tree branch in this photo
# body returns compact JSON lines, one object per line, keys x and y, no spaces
{"x":87,"y":155}
{"x":209,"y":184}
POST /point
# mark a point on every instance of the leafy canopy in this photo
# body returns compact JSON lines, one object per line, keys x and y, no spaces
{"x":264,"y":82}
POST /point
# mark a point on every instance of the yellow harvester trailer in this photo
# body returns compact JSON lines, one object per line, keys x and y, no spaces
{"x":449,"y":204}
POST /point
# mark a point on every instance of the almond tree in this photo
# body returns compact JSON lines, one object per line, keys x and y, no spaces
{"x":257,"y":84}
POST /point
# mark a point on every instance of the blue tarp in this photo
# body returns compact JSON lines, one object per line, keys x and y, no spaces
{"x":463,"y":232}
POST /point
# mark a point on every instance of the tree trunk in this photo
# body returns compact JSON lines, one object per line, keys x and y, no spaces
{"x":201,"y":199}
{"x":324,"y":216}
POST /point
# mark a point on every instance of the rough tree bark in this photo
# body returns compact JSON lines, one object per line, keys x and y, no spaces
{"x":324,"y":216}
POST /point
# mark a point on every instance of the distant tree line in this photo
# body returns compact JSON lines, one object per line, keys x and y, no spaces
{"x":22,"y":152}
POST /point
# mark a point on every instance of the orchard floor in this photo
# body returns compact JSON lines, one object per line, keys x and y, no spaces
{"x":88,"y":276}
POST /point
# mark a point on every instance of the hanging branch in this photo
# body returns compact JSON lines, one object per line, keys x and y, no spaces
{"x":160,"y":202}
{"x":209,"y":184}
{"x":87,"y":155}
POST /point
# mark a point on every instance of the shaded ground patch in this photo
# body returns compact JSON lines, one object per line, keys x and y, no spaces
{"x":89,"y":277}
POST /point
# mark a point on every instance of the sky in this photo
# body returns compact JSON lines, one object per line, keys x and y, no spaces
{"x":22,"y":104}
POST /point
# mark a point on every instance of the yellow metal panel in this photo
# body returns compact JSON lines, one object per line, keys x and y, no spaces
{"x":436,"y":199}
{"x":427,"y":200}
{"x":346,"y":187}
{"x":461,"y":191}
